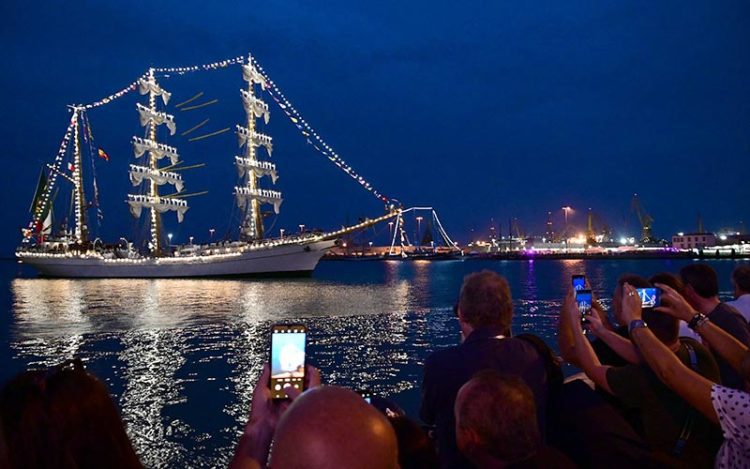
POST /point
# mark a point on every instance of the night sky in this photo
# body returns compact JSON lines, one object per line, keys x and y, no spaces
{"x":486,"y":110}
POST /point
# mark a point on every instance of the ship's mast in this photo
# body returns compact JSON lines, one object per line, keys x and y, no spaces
{"x":250,"y":195}
{"x":153,"y":188}
{"x":252,"y":228}
{"x":150,"y":173}
{"x":81,"y":231}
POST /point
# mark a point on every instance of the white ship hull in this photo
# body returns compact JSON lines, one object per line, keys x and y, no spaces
{"x":284,"y":259}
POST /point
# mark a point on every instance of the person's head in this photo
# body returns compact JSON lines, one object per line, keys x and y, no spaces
{"x":496,"y":419}
{"x":329,"y":426}
{"x":415,"y":449}
{"x":485,"y":301}
{"x":701,"y":284}
{"x":741,"y":280}
{"x":635,"y":281}
{"x":63,"y":417}
{"x":669,"y":279}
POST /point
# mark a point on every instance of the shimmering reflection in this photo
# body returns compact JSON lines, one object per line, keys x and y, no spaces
{"x":181,"y":356}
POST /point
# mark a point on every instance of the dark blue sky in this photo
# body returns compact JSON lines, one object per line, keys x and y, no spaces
{"x":482,"y":110}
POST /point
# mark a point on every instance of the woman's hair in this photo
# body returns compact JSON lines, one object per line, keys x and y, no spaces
{"x":63,"y":418}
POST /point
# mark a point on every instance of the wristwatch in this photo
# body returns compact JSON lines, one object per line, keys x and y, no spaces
{"x":697,"y":321}
{"x":636,"y":324}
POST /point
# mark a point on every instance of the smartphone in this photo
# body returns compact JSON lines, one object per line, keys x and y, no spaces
{"x":288,"y":342}
{"x":579,"y":282}
{"x":584,"y":299}
{"x":650,"y":297}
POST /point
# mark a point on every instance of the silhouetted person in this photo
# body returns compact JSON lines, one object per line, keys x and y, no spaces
{"x":63,"y":418}
{"x":484,"y":313}
{"x":496,"y":424}
{"x":702,"y":293}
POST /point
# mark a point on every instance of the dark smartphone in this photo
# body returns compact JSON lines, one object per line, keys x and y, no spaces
{"x":583,"y":300}
{"x":650,"y":297}
{"x":579,"y":282}
{"x":287,"y":358}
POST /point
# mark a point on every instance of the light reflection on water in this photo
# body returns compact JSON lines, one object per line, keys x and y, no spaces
{"x":181,"y":356}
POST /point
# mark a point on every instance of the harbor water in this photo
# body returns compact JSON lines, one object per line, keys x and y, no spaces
{"x":180,"y":357}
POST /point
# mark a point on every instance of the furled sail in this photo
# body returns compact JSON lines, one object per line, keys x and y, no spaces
{"x":150,"y":86}
{"x":158,"y":118}
{"x":255,"y":106}
{"x":260,"y":168}
{"x":139,"y":173}
{"x":159,"y":150}
{"x":258,"y":139}
{"x":138,"y":202}
{"x":251,"y":75}
{"x":245,"y":195}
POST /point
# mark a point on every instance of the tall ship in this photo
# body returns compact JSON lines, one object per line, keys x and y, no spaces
{"x":67,"y":250}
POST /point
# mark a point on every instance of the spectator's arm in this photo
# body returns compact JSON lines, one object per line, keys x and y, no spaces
{"x":619,"y":344}
{"x":691,"y":386}
{"x":729,"y":348}
{"x":565,"y":340}
{"x":586,"y":358}
{"x":721,"y":342}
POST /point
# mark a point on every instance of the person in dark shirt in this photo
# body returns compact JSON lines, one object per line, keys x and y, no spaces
{"x":702,"y":293}
{"x":496,"y":424}
{"x":484,"y":313}
{"x":677,"y":435}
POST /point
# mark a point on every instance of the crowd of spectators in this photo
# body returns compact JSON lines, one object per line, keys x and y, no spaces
{"x":664,"y":386}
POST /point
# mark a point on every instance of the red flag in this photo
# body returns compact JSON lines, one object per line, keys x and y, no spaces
{"x":71,"y":167}
{"x":103,"y":154}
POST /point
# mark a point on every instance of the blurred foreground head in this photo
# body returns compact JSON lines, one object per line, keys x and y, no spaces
{"x":496,"y":421}
{"x":63,"y":418}
{"x":329,"y":427}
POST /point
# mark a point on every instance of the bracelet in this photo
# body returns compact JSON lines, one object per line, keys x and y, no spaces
{"x":636,"y":324}
{"x":697,"y":321}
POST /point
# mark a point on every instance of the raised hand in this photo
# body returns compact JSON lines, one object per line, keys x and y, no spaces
{"x":674,"y":304}
{"x":596,"y":326}
{"x":631,"y":304}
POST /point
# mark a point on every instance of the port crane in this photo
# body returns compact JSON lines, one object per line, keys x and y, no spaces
{"x":597,"y":230}
{"x":644,"y":218}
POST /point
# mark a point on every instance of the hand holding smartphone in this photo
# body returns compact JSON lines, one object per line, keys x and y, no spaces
{"x":288,"y":358}
{"x":583,"y":300}
{"x":650,"y":297}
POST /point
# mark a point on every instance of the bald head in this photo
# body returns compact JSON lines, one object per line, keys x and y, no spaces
{"x":332,"y":427}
